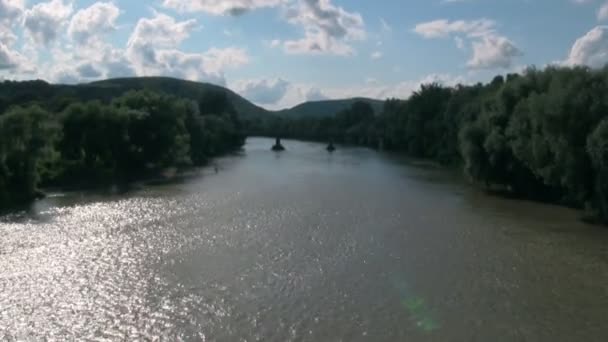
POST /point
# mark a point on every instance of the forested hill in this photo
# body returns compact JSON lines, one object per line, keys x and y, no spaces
{"x":327,"y":108}
{"x":182,"y":88}
{"x":57,"y":97}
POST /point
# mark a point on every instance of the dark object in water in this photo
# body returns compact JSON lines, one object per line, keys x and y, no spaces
{"x":331,"y":147}
{"x":277,"y":146}
{"x":39,"y":194}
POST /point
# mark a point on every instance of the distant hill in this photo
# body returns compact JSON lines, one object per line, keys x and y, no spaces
{"x":317,"y":109}
{"x":57,"y":97}
{"x":182,"y":88}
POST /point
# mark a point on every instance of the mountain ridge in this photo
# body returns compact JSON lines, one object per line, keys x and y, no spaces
{"x":298,"y":109}
{"x":331,"y":107}
{"x":55,"y":95}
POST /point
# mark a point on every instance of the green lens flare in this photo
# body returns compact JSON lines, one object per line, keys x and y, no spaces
{"x":417,"y":308}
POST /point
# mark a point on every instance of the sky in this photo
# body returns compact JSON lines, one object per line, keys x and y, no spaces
{"x":278,"y":53}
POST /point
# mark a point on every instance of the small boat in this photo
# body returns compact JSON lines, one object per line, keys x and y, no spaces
{"x":278,"y":147}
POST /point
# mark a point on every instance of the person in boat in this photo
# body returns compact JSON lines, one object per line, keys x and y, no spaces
{"x":331,"y":146}
{"x":278,"y":146}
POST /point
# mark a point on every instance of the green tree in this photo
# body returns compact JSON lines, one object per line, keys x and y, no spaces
{"x":26,"y":147}
{"x":157,"y":129}
{"x":597,"y":147}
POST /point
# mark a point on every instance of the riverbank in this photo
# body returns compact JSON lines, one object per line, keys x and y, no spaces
{"x":116,"y":187}
{"x":138,"y":135}
{"x":587,"y":214}
{"x":541,"y":133}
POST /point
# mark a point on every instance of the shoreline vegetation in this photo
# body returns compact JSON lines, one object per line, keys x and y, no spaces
{"x":141,"y":135}
{"x":541,"y":135}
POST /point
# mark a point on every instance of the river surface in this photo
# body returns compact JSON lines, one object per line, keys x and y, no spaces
{"x":302,"y":246}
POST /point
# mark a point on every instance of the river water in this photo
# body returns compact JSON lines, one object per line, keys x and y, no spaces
{"x":302,"y":246}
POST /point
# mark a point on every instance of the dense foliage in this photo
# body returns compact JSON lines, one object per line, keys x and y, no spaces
{"x":140,"y":133}
{"x":540,"y":135}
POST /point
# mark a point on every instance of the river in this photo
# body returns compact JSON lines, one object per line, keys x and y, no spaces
{"x":302,"y":246}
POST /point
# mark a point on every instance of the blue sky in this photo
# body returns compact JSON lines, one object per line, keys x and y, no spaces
{"x":278,"y":53}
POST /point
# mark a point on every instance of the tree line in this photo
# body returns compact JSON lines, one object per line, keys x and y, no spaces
{"x":138,"y":134}
{"x":542,"y":134}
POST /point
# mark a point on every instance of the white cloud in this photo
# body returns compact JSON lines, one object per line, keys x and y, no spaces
{"x":299,"y":92}
{"x":153,"y":34}
{"x":263,"y":91}
{"x":328,"y":29}
{"x":490,"y":49}
{"x":82,"y":63}
{"x":44,"y":21}
{"x":11,"y":12}
{"x":590,"y":49}
{"x":11,"y":9}
{"x":161,"y":30}
{"x":88,"y":70}
{"x":493,"y":52}
{"x":14,"y":62}
{"x":400,"y":90}
{"x":443,"y":28}
{"x":115,"y":64}
{"x":152,"y":50}
{"x":220,"y":7}
{"x":218,"y":60}
{"x":89,"y":23}
{"x":7,"y":36}
{"x":190,"y":66}
{"x":65,"y":76}
{"x":602,"y":12}
{"x":11,"y":15}
{"x":314,"y":94}
{"x":83,"y":72}
{"x":8,"y":59}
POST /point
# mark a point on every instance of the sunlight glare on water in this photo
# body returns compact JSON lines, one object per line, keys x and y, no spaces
{"x":302,"y":246}
{"x":85,"y":273}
